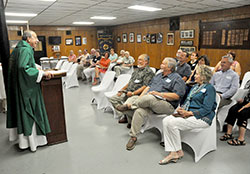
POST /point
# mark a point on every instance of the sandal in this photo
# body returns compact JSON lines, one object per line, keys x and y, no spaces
{"x":226,"y":137}
{"x":236,"y":142}
{"x":167,"y":161}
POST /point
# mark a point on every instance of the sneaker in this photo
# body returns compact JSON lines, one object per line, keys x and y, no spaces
{"x":131,"y":143}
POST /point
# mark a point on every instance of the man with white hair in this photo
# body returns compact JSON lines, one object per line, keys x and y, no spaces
{"x":226,"y":81}
{"x":26,"y":115}
{"x":161,"y":96}
{"x":81,"y":59}
{"x":126,"y":65}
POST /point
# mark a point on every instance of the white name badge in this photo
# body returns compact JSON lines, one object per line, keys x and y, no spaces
{"x":137,"y":81}
{"x":229,"y":77}
{"x":203,"y":90}
{"x":168,"y":80}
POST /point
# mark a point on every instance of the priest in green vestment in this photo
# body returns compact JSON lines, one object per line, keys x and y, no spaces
{"x":26,"y":114}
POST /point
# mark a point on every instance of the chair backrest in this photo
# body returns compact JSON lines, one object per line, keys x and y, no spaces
{"x":108,"y":78}
{"x":72,"y":69}
{"x":218,"y":102}
{"x":66,"y":66}
{"x":245,"y":79}
{"x":159,"y":71}
{"x":121,"y":81}
{"x":59,"y":64}
{"x":153,"y":69}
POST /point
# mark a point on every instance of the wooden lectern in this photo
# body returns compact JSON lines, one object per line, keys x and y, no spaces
{"x":53,"y":99}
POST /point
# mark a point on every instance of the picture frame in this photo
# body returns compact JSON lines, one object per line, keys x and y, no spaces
{"x":69,"y":41}
{"x":84,"y":40}
{"x":148,"y":38}
{"x":131,"y":37}
{"x":139,"y":38}
{"x":78,"y":41}
{"x":187,"y":43}
{"x":144,"y":38}
{"x":170,"y":38}
{"x":187,"y":34}
{"x":188,"y":49}
{"x":159,"y":38}
{"x":118,"y":39}
{"x":124,"y":38}
{"x":153,"y":38}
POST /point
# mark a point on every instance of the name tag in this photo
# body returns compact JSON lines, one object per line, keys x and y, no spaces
{"x":229,"y":77}
{"x":168,"y":80}
{"x":203,"y":90}
{"x":137,"y":81}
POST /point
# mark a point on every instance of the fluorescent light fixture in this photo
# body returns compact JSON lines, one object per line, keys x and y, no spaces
{"x":83,"y":23}
{"x":20,"y":14}
{"x":16,"y":22}
{"x":144,"y":8}
{"x":103,"y":17}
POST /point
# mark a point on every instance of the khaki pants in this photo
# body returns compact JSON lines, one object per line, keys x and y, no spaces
{"x":224,"y":102}
{"x":146,"y":105}
{"x":118,"y":100}
{"x":79,"y":71}
{"x":119,"y":69}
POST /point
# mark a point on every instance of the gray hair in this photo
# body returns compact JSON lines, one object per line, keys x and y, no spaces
{"x":205,"y":73}
{"x":146,"y":57}
{"x":171,"y":63}
{"x":27,"y":34}
{"x":122,"y":51}
{"x":229,"y":57}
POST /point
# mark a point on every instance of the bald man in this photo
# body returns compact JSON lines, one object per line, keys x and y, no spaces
{"x":26,"y":114}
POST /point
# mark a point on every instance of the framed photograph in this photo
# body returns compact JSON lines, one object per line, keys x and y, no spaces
{"x":124,"y":38}
{"x":68,"y":41}
{"x":132,"y":37}
{"x":187,"y":34}
{"x":84,"y":40}
{"x":138,"y":38}
{"x":78,"y":41}
{"x":153,"y":38}
{"x":118,"y":39}
{"x":188,"y":49}
{"x":159,"y":37}
{"x":148,"y":38}
{"x":187,"y":43}
{"x":144,"y":38}
{"x":170,"y":39}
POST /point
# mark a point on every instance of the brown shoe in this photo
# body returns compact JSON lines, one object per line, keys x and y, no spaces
{"x":123,"y":120}
{"x":131,"y":143}
{"x":122,"y":108}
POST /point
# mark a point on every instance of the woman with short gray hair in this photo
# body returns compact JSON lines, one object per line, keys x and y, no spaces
{"x":197,"y":112}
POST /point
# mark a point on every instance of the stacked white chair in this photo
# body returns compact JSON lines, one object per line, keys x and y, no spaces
{"x":121,"y":81}
{"x":45,"y":63}
{"x":59,"y":64}
{"x":53,"y":63}
{"x":66,"y":66}
{"x":201,"y":141}
{"x":106,"y":85}
{"x":71,"y":79}
{"x":222,"y":114}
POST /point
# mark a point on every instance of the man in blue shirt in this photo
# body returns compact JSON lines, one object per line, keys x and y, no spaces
{"x":226,"y":81}
{"x":162,"y":96}
{"x":182,"y":67}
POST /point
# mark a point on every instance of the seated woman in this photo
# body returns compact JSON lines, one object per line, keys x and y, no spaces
{"x":72,"y":56}
{"x":240,"y":111}
{"x":197,"y":112}
{"x":113,"y":58}
{"x":193,"y":62}
{"x":235,"y":66}
{"x":126,"y":65}
{"x":101,"y":67}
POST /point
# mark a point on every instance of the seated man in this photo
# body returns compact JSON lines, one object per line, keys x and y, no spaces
{"x":226,"y":81}
{"x":162,"y":96}
{"x":137,"y":83}
{"x":81,"y":59}
{"x":182,"y":67}
{"x":126,"y":65}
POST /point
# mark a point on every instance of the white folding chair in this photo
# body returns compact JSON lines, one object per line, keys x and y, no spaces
{"x":59,"y":64}
{"x":202,"y":140}
{"x":107,"y":84}
{"x":71,"y":79}
{"x":153,"y":69}
{"x":66,"y":66}
{"x":222,"y":113}
{"x":121,"y":81}
{"x":53,"y":63}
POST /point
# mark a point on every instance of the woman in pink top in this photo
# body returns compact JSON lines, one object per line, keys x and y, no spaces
{"x":72,"y":56}
{"x":101,"y":67}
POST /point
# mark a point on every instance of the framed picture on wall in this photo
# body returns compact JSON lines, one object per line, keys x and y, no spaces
{"x":138,"y":38}
{"x":148,"y":38}
{"x":187,"y":43}
{"x":131,"y":37}
{"x":118,"y":39}
{"x":170,"y":39}
{"x":188,"y":49}
{"x":153,"y":38}
{"x":159,"y":37}
{"x":124,"y":38}
{"x":78,"y":41}
{"x":187,"y":34}
{"x":68,"y":41}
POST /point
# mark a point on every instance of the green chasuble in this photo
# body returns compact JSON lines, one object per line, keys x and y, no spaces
{"x":24,"y":98}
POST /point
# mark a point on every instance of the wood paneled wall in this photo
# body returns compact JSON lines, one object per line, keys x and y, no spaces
{"x":158,"y":52}
{"x":88,"y":32}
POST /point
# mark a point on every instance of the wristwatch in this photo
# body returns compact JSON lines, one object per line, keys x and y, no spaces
{"x":133,"y":93}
